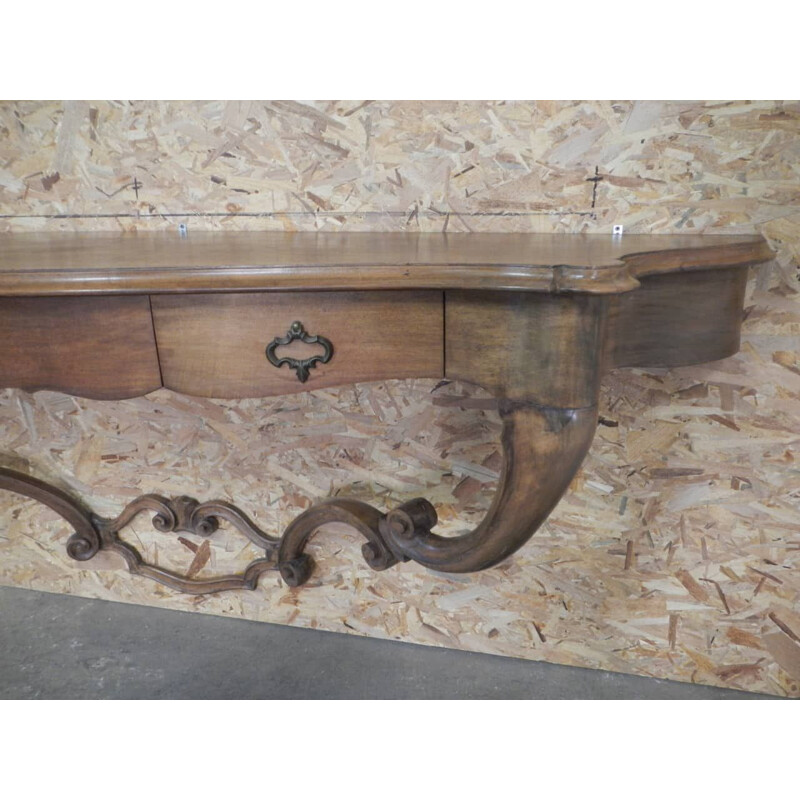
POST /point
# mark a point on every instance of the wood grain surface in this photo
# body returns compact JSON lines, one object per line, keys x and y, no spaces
{"x":527,"y":346}
{"x":213,"y":345}
{"x":87,"y":263}
{"x":99,"y":347}
{"x":671,"y":323}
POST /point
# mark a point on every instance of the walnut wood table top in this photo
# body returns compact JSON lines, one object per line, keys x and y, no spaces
{"x":111,"y":263}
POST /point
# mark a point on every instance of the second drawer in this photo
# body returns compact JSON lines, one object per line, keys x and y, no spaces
{"x":214,"y":345}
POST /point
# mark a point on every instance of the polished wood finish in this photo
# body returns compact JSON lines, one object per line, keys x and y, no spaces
{"x":100,"y":263}
{"x":535,"y":440}
{"x":215,"y":345}
{"x":527,"y":346}
{"x":296,"y":565}
{"x":535,"y":320}
{"x":101,"y":347}
{"x":669,"y":322}
{"x":543,"y":449}
{"x":84,"y":542}
{"x":93,"y":533}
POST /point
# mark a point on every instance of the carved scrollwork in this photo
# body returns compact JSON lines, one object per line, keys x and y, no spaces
{"x":187,"y":515}
{"x":94,"y":533}
{"x":85,"y":542}
{"x":296,"y":566}
{"x":406,"y":521}
{"x":543,"y":449}
{"x":184,"y":514}
{"x":534,"y":440}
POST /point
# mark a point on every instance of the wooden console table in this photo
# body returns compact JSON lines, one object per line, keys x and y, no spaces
{"x":534,"y":319}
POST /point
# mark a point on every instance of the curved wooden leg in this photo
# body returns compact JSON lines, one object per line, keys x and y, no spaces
{"x":85,"y":542}
{"x":543,"y":449}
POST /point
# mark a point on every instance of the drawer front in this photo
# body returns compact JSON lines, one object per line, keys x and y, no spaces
{"x":101,"y":347}
{"x":214,"y":345}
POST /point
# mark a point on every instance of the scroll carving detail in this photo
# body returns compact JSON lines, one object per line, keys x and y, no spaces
{"x":534,"y":439}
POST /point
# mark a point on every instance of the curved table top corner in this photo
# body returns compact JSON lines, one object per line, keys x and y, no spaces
{"x":90,"y":263}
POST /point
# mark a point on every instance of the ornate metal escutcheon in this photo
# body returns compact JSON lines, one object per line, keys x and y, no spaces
{"x":300,"y":366}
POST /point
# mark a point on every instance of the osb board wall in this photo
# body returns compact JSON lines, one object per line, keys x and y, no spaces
{"x":676,"y":552}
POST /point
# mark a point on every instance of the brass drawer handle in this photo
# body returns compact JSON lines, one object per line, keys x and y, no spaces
{"x":300,"y":366}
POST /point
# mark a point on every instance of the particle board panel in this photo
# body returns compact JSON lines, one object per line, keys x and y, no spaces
{"x":460,"y":166}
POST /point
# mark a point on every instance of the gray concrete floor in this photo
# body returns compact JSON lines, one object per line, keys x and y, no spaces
{"x":58,"y":647}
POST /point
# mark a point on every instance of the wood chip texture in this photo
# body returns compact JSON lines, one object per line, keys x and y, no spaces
{"x":676,"y":552}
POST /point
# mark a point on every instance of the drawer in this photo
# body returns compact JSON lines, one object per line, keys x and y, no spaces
{"x":101,"y":347}
{"x":214,"y":345}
